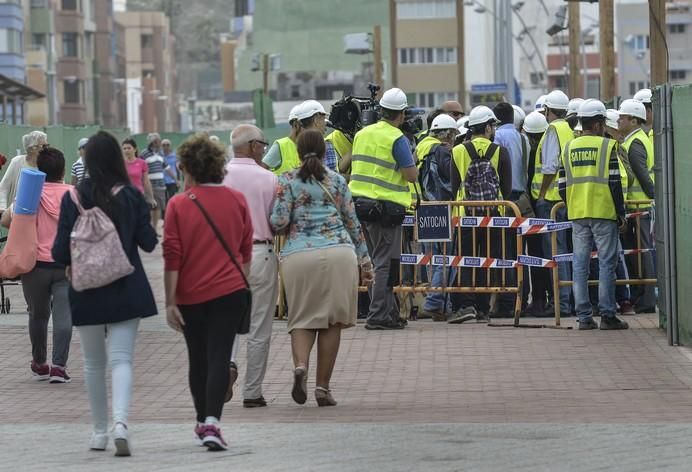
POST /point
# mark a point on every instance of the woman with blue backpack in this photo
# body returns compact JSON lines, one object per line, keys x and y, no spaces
{"x":102,"y":224}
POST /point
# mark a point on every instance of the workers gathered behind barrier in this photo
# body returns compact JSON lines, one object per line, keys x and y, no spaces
{"x":550,"y":214}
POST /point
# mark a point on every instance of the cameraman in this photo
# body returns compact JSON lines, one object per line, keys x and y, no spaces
{"x":382,"y":167}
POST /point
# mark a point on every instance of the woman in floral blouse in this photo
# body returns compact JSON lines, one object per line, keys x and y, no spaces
{"x":319,"y":263}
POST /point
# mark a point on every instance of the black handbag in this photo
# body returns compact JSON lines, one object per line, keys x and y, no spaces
{"x":245,"y":321}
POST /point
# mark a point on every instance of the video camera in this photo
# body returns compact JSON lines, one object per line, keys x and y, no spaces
{"x":350,"y":114}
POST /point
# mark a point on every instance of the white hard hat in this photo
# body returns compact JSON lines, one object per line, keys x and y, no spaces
{"x":591,"y":107}
{"x":82,"y":142}
{"x":519,"y":116}
{"x":644,"y":96}
{"x":535,"y":122}
{"x":612,"y":118}
{"x":573,"y":106}
{"x":293,"y":114}
{"x":308,"y":109}
{"x":461,"y":124}
{"x":540,"y":103}
{"x":443,"y":121}
{"x":394,"y":99}
{"x":557,"y":100}
{"x":480,"y":115}
{"x":634,"y":108}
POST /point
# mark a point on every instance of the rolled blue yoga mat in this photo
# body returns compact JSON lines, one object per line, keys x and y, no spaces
{"x":29,"y":191}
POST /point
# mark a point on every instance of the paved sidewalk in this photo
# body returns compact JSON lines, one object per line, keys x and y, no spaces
{"x":431,"y":397}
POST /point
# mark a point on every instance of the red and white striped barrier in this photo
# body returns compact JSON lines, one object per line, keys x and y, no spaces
{"x":415,"y":259}
{"x":594,"y":254}
{"x":478,"y":262}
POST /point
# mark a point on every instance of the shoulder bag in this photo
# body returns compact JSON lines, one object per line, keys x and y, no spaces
{"x":245,"y":321}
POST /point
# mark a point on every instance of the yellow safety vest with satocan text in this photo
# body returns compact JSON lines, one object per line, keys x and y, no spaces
{"x":375,"y":173}
{"x":462,"y":160}
{"x":564,"y":135}
{"x":585,"y":160}
{"x":635,"y":190}
{"x":289,"y":156}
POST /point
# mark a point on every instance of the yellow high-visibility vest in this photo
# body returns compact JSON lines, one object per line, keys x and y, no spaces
{"x":564,"y":135}
{"x":462,"y":160}
{"x":375,"y":173}
{"x":585,"y":160}
{"x":422,"y":150}
{"x":635,"y":190}
{"x":289,"y":156}
{"x":342,"y":145}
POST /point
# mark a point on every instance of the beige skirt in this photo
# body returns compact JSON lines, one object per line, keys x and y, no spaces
{"x":321,"y":288}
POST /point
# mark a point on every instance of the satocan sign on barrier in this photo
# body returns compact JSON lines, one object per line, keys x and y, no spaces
{"x":434,"y":223}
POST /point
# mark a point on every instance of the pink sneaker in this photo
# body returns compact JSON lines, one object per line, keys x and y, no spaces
{"x":59,"y":375}
{"x":40,"y":371}
{"x":212,"y":438}
{"x":199,"y":433}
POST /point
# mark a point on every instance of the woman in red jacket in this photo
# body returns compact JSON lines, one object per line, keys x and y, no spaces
{"x":206,"y":289}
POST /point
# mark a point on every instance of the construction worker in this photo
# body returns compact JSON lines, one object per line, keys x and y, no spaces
{"x":544,"y":185}
{"x":640,"y":155}
{"x":572,"y":109}
{"x":644,"y":96}
{"x":590,"y":186}
{"x":342,"y":144}
{"x":382,"y":166}
{"x":283,"y":155}
{"x":435,"y":154}
{"x":482,"y":123}
{"x":534,"y":127}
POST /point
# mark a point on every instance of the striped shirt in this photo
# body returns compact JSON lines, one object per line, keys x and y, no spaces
{"x":156,"y":165}
{"x":78,"y":170}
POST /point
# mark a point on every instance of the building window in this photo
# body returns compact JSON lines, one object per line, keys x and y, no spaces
{"x":147,"y":41}
{"x":641,"y":42}
{"x":89,"y":45}
{"x":428,"y":56}
{"x":678,"y":74}
{"x":71,"y":89}
{"x":39,"y":4}
{"x":70,"y":5}
{"x":676,"y":28}
{"x":433,"y":99}
{"x":295,"y":91}
{"x":10,"y":41}
{"x":38,"y":40}
{"x":426,"y":9}
{"x":70,"y":47}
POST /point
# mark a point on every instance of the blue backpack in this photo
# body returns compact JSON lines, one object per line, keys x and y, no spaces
{"x":432,"y":186}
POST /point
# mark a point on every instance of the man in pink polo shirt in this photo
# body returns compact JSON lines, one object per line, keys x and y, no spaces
{"x":258,"y":185}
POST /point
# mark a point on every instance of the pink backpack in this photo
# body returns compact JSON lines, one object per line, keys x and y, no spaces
{"x":97,"y":254}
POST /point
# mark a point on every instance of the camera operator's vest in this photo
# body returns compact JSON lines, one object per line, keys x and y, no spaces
{"x":374,"y":172}
{"x":635,"y":190}
{"x":586,"y":162}
{"x":564,"y":135}
{"x":289,"y":156}
{"x":342,"y":145}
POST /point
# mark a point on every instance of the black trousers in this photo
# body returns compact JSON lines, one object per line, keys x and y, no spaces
{"x":210,"y":329}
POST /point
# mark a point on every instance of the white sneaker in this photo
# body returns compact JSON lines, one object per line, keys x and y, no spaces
{"x":121,"y":440}
{"x":98,"y":442}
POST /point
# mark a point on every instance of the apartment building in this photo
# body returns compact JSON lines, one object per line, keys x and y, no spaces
{"x":149,"y":70}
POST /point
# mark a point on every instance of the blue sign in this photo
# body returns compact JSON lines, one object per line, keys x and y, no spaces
{"x":433,"y":223}
{"x":484,"y":88}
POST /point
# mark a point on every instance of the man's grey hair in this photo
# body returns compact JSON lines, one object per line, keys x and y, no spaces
{"x":165,"y":141}
{"x":32,"y":139}
{"x":151,"y":137}
{"x":243,"y":134}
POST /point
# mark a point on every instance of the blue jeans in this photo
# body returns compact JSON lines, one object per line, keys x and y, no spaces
{"x":436,"y":301}
{"x":604,"y":233}
{"x":564,"y":269}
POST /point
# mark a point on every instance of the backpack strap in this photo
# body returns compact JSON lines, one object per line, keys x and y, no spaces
{"x":75,"y":199}
{"x":490,"y":152}
{"x":524,"y":153}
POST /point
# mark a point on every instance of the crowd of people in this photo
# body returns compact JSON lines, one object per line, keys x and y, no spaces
{"x":338,"y":204}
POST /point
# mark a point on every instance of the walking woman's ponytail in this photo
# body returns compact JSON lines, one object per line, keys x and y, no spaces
{"x":311,"y":149}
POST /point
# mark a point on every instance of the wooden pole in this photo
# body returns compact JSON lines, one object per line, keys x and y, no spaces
{"x":575,"y":87}
{"x":377,"y":53}
{"x":657,"y":30}
{"x":607,"y":30}
{"x":393,"y":57}
{"x":461,"y":54}
{"x":265,"y":73}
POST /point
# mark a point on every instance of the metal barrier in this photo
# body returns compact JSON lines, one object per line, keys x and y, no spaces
{"x":638,"y":212}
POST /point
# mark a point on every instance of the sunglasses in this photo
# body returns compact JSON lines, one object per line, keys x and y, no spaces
{"x":456,"y":114}
{"x":263,"y":143}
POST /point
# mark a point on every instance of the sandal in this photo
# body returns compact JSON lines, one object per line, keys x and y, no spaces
{"x":324,"y":397}
{"x":300,"y":385}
